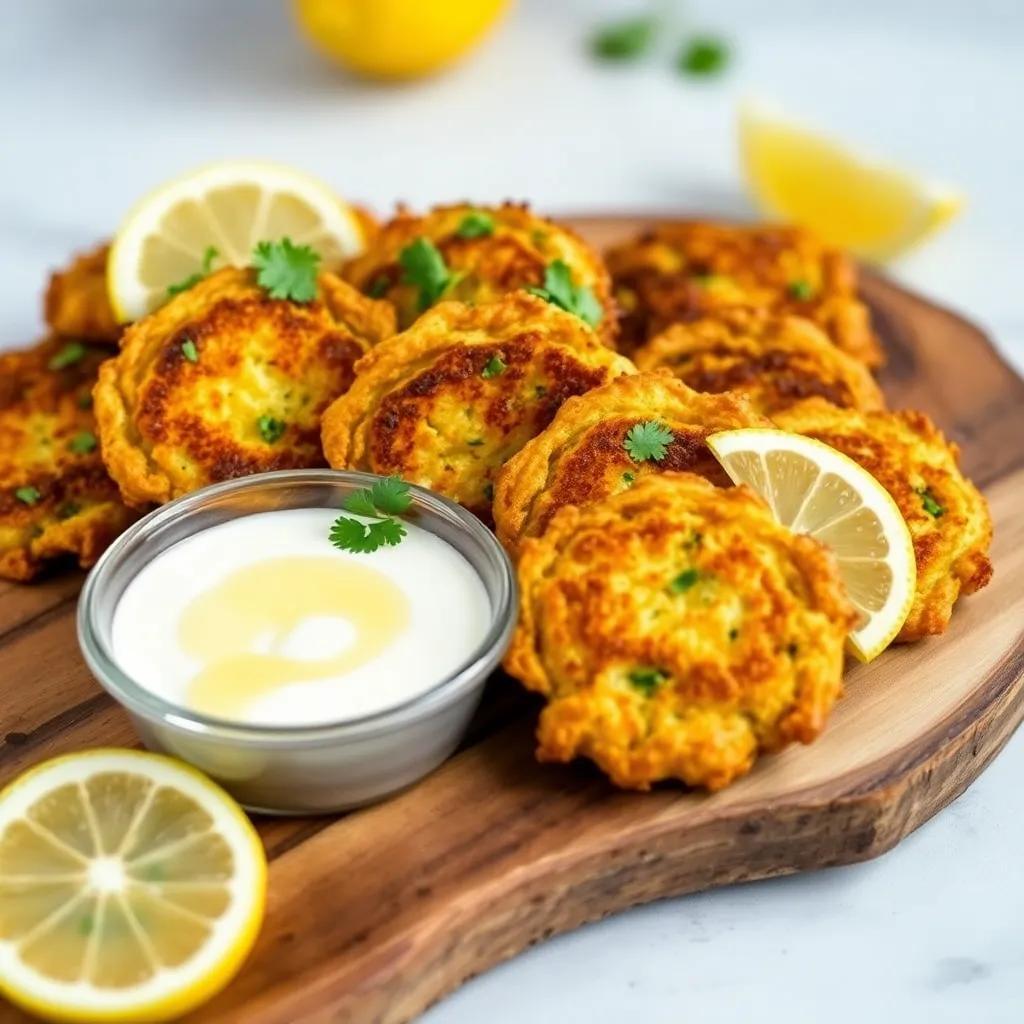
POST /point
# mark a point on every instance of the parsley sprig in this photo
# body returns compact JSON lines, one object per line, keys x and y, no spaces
{"x":559,"y":290}
{"x":424,"y":267}
{"x":209,"y":255}
{"x":286,"y":270}
{"x":648,"y":440}
{"x":387,"y":498}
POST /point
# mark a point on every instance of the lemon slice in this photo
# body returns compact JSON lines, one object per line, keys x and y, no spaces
{"x":871,"y":208}
{"x":812,"y":488}
{"x":131,"y":887}
{"x":230,"y":207}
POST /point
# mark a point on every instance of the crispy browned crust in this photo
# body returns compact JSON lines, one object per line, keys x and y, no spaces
{"x":582,"y":456}
{"x":42,"y":410}
{"x":907,"y":454}
{"x":677,"y":272}
{"x":169,"y":425}
{"x":76,"y":303}
{"x":424,"y":406}
{"x":776,"y":360}
{"x":513,"y":257}
{"x":750,"y":649}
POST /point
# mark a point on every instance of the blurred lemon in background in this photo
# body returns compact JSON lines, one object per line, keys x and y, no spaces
{"x":873,"y":209}
{"x":395,"y":39}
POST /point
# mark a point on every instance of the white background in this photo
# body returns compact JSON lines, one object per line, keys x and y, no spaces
{"x":105,"y":98}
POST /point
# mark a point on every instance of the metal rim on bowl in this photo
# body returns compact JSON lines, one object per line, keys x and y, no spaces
{"x":93,"y":639}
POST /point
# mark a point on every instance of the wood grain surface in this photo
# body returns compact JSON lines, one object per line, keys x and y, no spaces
{"x":375,"y":915}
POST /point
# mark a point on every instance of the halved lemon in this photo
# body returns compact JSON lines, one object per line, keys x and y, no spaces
{"x":812,"y":488}
{"x":223,"y":209}
{"x":869,"y":207}
{"x":131,"y":887}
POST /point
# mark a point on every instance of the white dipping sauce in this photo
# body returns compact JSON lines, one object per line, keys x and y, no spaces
{"x":262,"y":620}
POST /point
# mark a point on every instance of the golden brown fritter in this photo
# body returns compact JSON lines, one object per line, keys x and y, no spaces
{"x":513,"y":254}
{"x":680,"y":271}
{"x":775,"y":360}
{"x":449,"y":401}
{"x":224,"y":381}
{"x":676,"y":630}
{"x":585,"y":455}
{"x":948,"y":518}
{"x":55,"y":496}
{"x":76,"y":303}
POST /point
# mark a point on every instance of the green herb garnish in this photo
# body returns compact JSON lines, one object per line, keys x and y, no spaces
{"x":285,"y":270}
{"x":648,"y":440}
{"x":623,"y":40}
{"x":82,"y":443}
{"x":560,"y":291}
{"x":801,"y":290}
{"x":67,"y":356}
{"x":495,"y":367}
{"x":68,"y":509}
{"x":475,"y":442}
{"x":476,"y":224}
{"x":189,"y":350}
{"x":27,"y":495}
{"x":628,"y":479}
{"x":388,"y":497}
{"x":378,"y":287}
{"x":271,"y":430}
{"x":703,"y":55}
{"x":424,"y":267}
{"x":929,"y":504}
{"x":684,"y":581}
{"x":647,"y":680}
{"x":209,"y":255}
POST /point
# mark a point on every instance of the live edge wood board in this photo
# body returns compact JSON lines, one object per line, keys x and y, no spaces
{"x":375,"y":915}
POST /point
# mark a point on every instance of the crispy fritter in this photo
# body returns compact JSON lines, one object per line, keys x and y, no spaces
{"x":512,"y":256}
{"x":76,"y":303}
{"x":224,"y":381}
{"x":948,"y":518}
{"x":446,"y":403}
{"x":55,"y":496}
{"x":680,"y":271}
{"x":584,"y":455}
{"x":676,"y":630}
{"x":775,"y":360}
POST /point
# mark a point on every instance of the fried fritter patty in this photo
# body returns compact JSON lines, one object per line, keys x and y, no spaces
{"x":512,"y":255}
{"x":680,"y":271}
{"x":55,"y":496}
{"x":76,"y":303}
{"x":775,"y":360}
{"x":948,"y":518}
{"x":585,"y":455}
{"x":676,"y":630}
{"x":446,"y":403}
{"x":224,"y":381}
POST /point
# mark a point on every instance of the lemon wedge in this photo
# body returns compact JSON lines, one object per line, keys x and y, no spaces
{"x":213,"y":218}
{"x":871,"y":208}
{"x":131,"y":888}
{"x":812,"y":488}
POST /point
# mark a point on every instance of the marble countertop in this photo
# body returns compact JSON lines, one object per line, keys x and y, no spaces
{"x":106,"y":98}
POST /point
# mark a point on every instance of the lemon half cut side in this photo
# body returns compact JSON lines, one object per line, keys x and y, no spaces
{"x":131,"y":887}
{"x":812,"y":488}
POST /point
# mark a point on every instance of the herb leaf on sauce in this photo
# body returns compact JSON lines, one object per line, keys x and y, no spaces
{"x":388,"y":497}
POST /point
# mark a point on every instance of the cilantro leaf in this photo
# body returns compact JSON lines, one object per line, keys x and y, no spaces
{"x":628,"y":479}
{"x":929,"y":504}
{"x":365,"y":538}
{"x":271,"y":430}
{"x":560,"y":291}
{"x":285,"y":270}
{"x":27,"y":495}
{"x":684,"y":581}
{"x":801,"y":290}
{"x":494,"y":367}
{"x":703,"y":55}
{"x":623,"y":40}
{"x":67,"y":356}
{"x":476,"y":224}
{"x":189,"y":350}
{"x":82,"y":443}
{"x":424,"y":266}
{"x":647,"y":680}
{"x":391,"y":496}
{"x":648,"y":440}
{"x":360,"y":503}
{"x":386,"y":531}
{"x":209,"y":255}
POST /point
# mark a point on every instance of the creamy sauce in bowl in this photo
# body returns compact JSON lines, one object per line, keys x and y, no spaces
{"x":260,"y":620}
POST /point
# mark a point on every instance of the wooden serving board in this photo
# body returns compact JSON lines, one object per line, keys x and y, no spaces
{"x":374,"y":916}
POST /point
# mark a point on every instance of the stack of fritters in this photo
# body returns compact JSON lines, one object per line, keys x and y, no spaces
{"x":76,"y":303}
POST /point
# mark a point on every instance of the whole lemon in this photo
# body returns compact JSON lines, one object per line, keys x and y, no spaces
{"x":396,"y":38}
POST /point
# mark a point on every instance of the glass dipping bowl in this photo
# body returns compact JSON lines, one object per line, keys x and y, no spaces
{"x":300,"y":769}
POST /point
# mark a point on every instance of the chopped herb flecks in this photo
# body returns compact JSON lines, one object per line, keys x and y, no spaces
{"x":647,"y":680}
